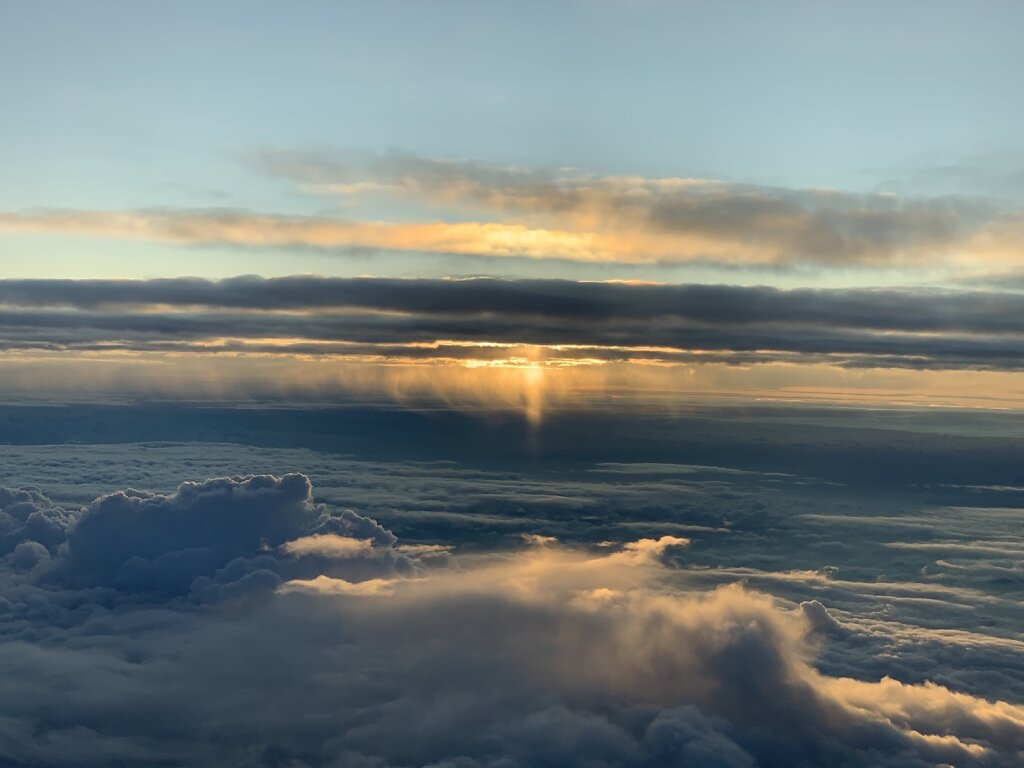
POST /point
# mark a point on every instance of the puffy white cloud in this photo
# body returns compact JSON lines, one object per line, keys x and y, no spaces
{"x":228,"y":533}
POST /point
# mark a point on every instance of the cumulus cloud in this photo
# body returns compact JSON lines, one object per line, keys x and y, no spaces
{"x":527,"y":657}
{"x":204,"y":538}
{"x":31,"y":526}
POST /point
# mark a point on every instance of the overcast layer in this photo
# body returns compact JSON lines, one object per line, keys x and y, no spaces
{"x":465,"y":319}
{"x":156,"y":610}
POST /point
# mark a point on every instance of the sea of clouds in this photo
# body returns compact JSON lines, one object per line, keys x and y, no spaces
{"x":236,"y":621}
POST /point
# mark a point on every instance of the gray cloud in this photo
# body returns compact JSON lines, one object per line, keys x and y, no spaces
{"x":790,"y":225}
{"x":876,"y":309}
{"x":395,"y":318}
{"x":209,"y":539}
{"x":540,"y":656}
{"x":475,"y":211}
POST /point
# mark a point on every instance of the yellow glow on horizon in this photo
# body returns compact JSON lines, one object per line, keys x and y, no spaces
{"x":531,"y":386}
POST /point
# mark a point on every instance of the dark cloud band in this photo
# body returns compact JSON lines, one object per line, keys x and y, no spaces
{"x":612,"y":321}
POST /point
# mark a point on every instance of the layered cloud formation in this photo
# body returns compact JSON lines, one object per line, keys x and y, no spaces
{"x":309,"y":636}
{"x":471,"y":209}
{"x":487,"y":319}
{"x":638,"y":219}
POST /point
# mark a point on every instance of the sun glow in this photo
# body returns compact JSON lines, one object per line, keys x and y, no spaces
{"x":530,"y":382}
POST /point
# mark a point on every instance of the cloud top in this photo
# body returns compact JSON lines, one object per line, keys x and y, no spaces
{"x":535,"y":656}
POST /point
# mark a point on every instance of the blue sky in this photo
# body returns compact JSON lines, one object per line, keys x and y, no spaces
{"x":119,"y":105}
{"x":795,"y":93}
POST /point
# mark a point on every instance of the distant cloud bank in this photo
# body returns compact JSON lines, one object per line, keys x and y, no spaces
{"x":490,"y":319}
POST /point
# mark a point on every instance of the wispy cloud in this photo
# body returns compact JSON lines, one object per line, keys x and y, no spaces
{"x":668,"y":218}
{"x":475,"y":210}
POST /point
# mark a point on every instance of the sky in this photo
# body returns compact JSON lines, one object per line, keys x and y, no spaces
{"x":585,"y":383}
{"x":794,"y":146}
{"x":265,"y":109}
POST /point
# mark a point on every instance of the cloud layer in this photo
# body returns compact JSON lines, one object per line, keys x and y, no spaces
{"x":632,"y":218}
{"x":470,"y":209}
{"x":539,"y":320}
{"x":545,"y":655}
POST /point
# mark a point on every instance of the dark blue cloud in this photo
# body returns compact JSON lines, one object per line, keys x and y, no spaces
{"x":873,"y":328}
{"x":176,"y":625}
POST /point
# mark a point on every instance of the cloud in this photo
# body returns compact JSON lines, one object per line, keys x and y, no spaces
{"x":471,"y":209}
{"x":531,"y":321}
{"x":651,"y":549}
{"x":525,"y":657}
{"x":328,"y":545}
{"x":867,"y":476}
{"x":262,"y":230}
{"x":31,"y":526}
{"x":325,"y":585}
{"x":665,"y":218}
{"x":203,"y":539}
{"x":923,"y":310}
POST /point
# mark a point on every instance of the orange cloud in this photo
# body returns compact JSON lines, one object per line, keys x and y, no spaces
{"x":465,"y":238}
{"x":597,"y":231}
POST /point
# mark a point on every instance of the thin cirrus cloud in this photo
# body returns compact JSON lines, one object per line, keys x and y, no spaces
{"x":470,"y":209}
